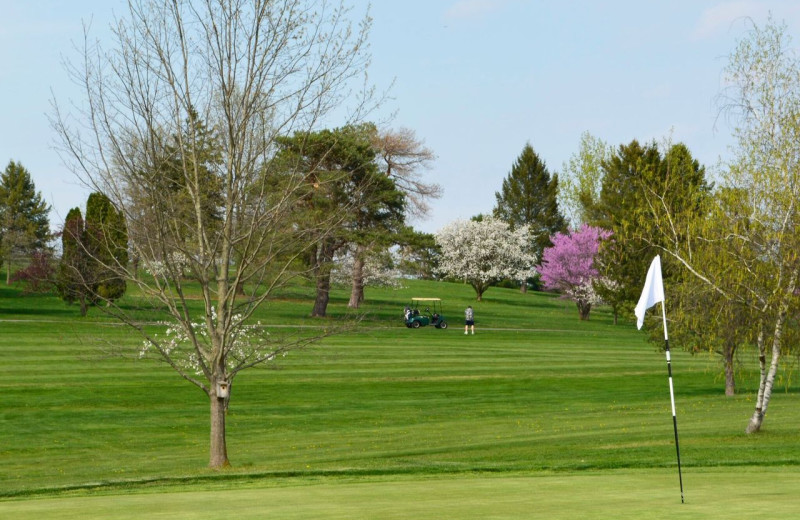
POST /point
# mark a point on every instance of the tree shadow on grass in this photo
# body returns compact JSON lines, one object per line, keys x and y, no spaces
{"x":15,"y":302}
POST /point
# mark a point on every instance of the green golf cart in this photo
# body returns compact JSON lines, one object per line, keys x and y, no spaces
{"x":415,"y":318}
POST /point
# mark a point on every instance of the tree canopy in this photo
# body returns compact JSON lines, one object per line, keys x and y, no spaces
{"x":745,"y":249}
{"x":528,"y":197}
{"x":569,"y":266}
{"x":74,"y":281}
{"x":484,"y":252}
{"x":342,"y":179}
{"x":581,"y":179}
{"x":24,"y":226}
{"x":106,"y":242}
{"x":635,"y":178}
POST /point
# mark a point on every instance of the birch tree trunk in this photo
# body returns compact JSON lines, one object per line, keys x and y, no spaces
{"x":768,"y":376}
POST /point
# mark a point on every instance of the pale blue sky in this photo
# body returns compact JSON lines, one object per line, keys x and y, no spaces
{"x":475,"y":79}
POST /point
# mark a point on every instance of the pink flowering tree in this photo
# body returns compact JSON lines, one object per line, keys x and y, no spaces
{"x":569,"y":266}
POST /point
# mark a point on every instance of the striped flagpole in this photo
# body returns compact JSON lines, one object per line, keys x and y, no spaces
{"x":672,"y":397}
{"x":652,"y":293}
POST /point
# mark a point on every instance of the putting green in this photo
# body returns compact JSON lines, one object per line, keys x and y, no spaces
{"x":710,"y":494}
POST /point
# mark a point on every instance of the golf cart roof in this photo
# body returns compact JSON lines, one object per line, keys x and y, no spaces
{"x":426,"y":299}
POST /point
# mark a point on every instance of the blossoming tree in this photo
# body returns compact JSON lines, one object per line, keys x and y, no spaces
{"x":179,"y":125}
{"x":569,"y":266}
{"x":484,"y":252}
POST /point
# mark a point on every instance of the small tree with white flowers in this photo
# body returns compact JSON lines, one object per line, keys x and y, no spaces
{"x":485,"y":252}
{"x":179,"y":124}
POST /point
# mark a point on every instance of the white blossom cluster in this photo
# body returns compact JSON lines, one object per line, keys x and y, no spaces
{"x":585,"y":292}
{"x":376,"y":271}
{"x":607,"y":284}
{"x":247,"y":343}
{"x":177,"y":260}
{"x":485,"y":251}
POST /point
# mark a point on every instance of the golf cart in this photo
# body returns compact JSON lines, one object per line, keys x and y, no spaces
{"x":414,"y":318}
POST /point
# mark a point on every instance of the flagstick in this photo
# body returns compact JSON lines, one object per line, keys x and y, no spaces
{"x":672,"y":397}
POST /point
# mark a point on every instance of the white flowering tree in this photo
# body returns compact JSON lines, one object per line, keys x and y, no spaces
{"x":485,"y":252}
{"x":377,"y":269}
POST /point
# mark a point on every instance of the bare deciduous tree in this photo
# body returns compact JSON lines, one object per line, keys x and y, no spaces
{"x":405,"y":158}
{"x":178,"y":127}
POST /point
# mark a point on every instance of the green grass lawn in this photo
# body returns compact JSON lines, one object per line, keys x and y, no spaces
{"x":537,"y":411}
{"x":614,"y":494}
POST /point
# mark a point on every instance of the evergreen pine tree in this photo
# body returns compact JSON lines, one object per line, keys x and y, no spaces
{"x":73,"y":280}
{"x":633,"y":176}
{"x":107,"y":243}
{"x":529,"y":198}
{"x":24,"y":226}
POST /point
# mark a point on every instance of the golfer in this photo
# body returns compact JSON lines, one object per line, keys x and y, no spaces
{"x":469,"y":319}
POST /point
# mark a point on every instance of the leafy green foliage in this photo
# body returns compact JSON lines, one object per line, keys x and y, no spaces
{"x":638,"y":181}
{"x":24,"y":226}
{"x":106,"y":240}
{"x":581,"y":179}
{"x":191,"y":173}
{"x":340,"y":178}
{"x":74,"y":269}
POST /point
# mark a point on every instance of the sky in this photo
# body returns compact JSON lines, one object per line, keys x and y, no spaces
{"x":476,"y":80}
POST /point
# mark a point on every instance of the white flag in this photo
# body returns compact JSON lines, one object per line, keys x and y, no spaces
{"x":652,"y":293}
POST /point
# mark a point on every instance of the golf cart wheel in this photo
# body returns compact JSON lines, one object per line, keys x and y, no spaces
{"x":415,"y":325}
{"x":443,"y":325}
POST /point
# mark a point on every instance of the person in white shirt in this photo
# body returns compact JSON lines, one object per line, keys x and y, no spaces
{"x":469,"y":320}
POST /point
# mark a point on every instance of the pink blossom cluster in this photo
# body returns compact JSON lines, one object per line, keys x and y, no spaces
{"x":569,"y":265}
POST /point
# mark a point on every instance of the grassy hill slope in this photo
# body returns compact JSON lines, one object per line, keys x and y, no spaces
{"x":533,"y":392}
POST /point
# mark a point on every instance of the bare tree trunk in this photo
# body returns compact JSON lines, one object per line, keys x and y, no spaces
{"x":584,"y":309}
{"x":730,"y":378}
{"x":357,"y":293}
{"x":135,"y":266}
{"x":323,"y":295}
{"x":758,"y":414}
{"x":218,"y":453}
{"x":322,"y":276}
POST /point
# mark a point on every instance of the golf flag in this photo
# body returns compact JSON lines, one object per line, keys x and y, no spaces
{"x":652,"y":293}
